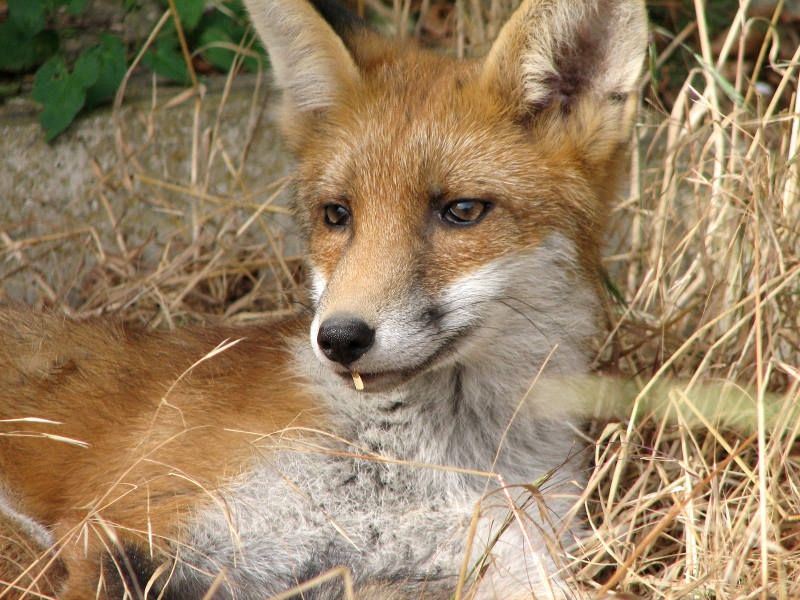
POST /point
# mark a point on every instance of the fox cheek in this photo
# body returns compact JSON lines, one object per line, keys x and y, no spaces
{"x":317,"y":284}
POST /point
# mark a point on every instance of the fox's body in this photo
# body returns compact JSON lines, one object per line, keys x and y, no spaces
{"x":453,"y":212}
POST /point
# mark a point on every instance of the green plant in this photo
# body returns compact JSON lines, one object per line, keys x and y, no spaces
{"x":31,"y":38}
{"x":24,"y":39}
{"x":94,"y":78}
{"x":215,"y":34}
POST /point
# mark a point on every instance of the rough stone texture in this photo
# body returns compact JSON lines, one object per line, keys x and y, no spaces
{"x":164,"y":169}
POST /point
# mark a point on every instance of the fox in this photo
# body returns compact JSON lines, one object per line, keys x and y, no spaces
{"x":397,"y":437}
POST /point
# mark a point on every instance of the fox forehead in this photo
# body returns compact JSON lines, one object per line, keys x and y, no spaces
{"x":425,"y":130}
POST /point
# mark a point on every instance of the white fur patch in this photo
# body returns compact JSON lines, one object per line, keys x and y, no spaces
{"x":27,"y":525}
{"x":317,"y":284}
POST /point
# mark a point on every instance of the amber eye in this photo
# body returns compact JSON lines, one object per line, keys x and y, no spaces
{"x":336,"y":215}
{"x":465,"y":212}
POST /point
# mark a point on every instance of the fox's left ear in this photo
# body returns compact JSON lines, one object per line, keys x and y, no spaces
{"x":572,"y":67}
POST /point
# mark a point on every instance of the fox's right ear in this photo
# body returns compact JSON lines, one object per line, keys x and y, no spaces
{"x":309,"y":60}
{"x":572,"y":67}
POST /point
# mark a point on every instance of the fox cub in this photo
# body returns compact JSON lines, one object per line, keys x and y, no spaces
{"x":403,"y":430}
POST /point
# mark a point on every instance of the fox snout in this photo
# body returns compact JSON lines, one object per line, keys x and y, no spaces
{"x":360,"y":328}
{"x":344,"y":338}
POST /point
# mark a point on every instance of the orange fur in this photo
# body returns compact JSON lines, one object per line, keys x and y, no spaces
{"x":141,"y":429}
{"x":557,"y":174}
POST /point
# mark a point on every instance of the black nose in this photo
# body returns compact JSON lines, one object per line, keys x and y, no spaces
{"x":344,"y":339}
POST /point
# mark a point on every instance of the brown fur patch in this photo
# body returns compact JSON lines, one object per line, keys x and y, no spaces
{"x":156,"y":435}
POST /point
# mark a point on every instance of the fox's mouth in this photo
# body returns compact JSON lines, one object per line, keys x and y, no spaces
{"x":386,"y":380}
{"x":381,"y":381}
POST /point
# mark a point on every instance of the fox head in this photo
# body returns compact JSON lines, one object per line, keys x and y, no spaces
{"x":453,"y":209}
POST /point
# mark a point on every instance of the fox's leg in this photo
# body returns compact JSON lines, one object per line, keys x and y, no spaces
{"x":67,"y":563}
{"x":28,"y":566}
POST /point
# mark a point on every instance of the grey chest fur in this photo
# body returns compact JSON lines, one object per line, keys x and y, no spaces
{"x":393,"y":503}
{"x":302,"y":513}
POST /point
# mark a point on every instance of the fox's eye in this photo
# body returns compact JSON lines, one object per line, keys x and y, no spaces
{"x":336,"y":215}
{"x":465,"y":212}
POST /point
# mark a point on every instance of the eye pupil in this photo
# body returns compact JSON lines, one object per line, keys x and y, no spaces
{"x":336,"y":215}
{"x":465,"y":212}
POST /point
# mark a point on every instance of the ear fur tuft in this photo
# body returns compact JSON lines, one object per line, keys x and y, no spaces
{"x":555,"y":52}
{"x":309,"y":60}
{"x":562,"y":56}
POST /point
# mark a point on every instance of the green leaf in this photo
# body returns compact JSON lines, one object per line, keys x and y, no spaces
{"x":29,"y":16}
{"x":61,"y":94}
{"x":110,"y":67}
{"x":167,"y":61}
{"x":87,"y":67}
{"x":212,"y":40}
{"x":49,"y":75}
{"x":220,"y":29}
{"x":76,"y":7}
{"x":20,"y":51}
{"x":189,"y":12}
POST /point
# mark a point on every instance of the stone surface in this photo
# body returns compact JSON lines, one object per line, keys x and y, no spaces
{"x":169,"y":167}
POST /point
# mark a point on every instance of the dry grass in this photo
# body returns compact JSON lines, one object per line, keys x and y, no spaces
{"x":704,"y":274}
{"x":701,"y":504}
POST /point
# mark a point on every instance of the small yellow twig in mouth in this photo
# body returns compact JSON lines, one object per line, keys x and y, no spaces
{"x":357,"y":381}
